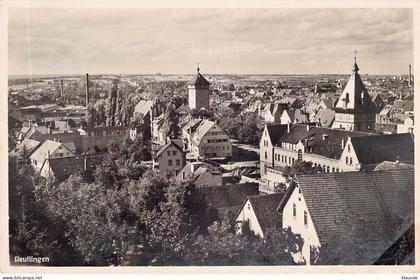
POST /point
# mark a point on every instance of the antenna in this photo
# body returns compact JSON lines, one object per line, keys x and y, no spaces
{"x":198,"y":67}
{"x":355,"y":56}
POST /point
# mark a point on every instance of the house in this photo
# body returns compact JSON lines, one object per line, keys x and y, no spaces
{"x":364,"y":153}
{"x":227,"y":197}
{"x":201,"y":174}
{"x":272,"y":112}
{"x":324,"y":117}
{"x":293,"y":116}
{"x":348,"y":223}
{"x":260,"y":213}
{"x":407,"y":126}
{"x":283,"y":145}
{"x":170,"y":158}
{"x":210,"y":141}
{"x":149,"y":110}
{"x":49,"y":149}
{"x":60,"y":168}
{"x":28,"y":144}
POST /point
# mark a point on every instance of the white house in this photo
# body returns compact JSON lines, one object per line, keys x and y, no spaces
{"x":348,"y":223}
{"x":170,"y":158}
{"x":210,"y":141}
{"x":49,"y":149}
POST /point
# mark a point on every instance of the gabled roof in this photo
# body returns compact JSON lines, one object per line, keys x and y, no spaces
{"x":275,"y":131}
{"x":48,"y":147}
{"x":379,"y":148}
{"x":203,"y":128}
{"x":367,"y":210}
{"x":324,"y":117}
{"x":29,"y":144}
{"x":265,"y":209}
{"x":171,"y":143}
{"x":355,"y":96}
{"x":143,"y":107}
{"x":228,"y":196}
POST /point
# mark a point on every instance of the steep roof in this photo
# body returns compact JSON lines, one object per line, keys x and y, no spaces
{"x":355,"y":96}
{"x":203,"y":128}
{"x":29,"y":144}
{"x":367,"y":210}
{"x":324,"y":117}
{"x":388,"y":147}
{"x":265,"y":209}
{"x":143,"y":107}
{"x":198,"y":80}
{"x":171,"y":143}
{"x":47,"y":147}
{"x":228,"y":196}
{"x":275,"y":131}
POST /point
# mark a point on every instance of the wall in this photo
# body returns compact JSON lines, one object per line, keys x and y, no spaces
{"x":198,"y":97}
{"x":247,"y":214}
{"x":296,"y":223}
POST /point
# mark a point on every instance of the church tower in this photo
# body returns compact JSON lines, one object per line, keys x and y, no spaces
{"x":355,"y":111}
{"x":198,"y":92}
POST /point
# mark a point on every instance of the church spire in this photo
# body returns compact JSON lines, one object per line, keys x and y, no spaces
{"x":355,"y":67}
{"x":198,"y":68}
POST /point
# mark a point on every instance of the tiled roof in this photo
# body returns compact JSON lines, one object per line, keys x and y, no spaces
{"x":171,"y":143}
{"x":275,"y":131}
{"x":265,"y":209}
{"x":203,"y":128}
{"x":227,"y":196}
{"x":379,"y":148}
{"x":199,"y":80}
{"x":324,"y":117}
{"x":321,"y":141}
{"x":370,"y":210}
{"x":29,"y":144}
{"x":63,"y":167}
{"x":41,"y":153}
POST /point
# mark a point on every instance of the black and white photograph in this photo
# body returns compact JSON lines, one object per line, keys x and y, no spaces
{"x":210,"y":136}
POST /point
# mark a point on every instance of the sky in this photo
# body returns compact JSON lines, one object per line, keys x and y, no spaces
{"x":243,"y":41}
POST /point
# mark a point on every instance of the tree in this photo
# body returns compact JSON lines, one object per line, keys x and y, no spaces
{"x":171,"y":122}
{"x":111,"y":104}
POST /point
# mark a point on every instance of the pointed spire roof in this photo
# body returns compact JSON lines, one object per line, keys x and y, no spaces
{"x":199,"y":80}
{"x":355,"y":96}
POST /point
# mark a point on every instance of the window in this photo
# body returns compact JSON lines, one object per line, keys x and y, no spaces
{"x":170,"y":162}
{"x":328,"y":169}
{"x":305,"y":218}
{"x":174,"y":153}
{"x":265,"y":155}
{"x":351,"y":161}
{"x":338,"y":170}
{"x":293,"y":160}
{"x":333,"y":169}
{"x":347,"y":160}
{"x":178,"y":162}
{"x":168,"y":153}
{"x":300,"y":155}
{"x":249,"y":206}
{"x":294,"y":210}
{"x":348,"y":148}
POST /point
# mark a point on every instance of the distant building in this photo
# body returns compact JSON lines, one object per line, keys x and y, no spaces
{"x":170,"y":158}
{"x":355,"y":111}
{"x":293,"y":116}
{"x":198,"y":92}
{"x":407,"y":126}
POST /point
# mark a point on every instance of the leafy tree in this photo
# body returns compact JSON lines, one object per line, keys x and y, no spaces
{"x":111,"y":104}
{"x":171,"y":122}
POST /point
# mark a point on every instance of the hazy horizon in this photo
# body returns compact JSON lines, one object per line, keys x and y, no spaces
{"x":225,"y":41}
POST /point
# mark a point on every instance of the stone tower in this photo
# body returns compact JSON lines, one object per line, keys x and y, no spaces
{"x":355,"y":110}
{"x":198,"y":92}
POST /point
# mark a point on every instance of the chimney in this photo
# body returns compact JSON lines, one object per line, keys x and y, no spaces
{"x":342,"y":143}
{"x":288,"y":127}
{"x":61,"y":88}
{"x":324,"y":136}
{"x":409,"y":75}
{"x":87,"y":90}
